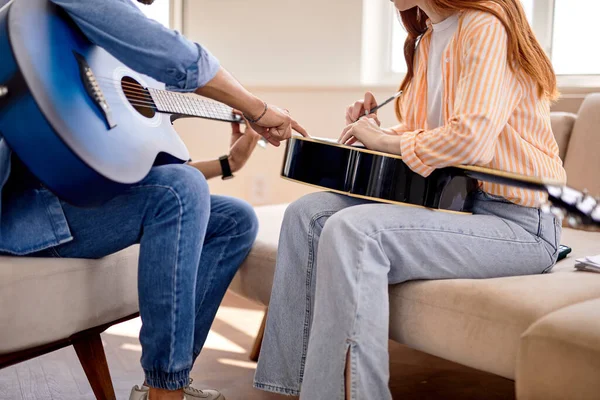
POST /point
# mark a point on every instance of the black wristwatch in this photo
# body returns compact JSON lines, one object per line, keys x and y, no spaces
{"x":225,"y":167}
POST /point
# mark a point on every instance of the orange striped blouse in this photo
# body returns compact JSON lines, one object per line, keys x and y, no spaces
{"x":494,"y":118}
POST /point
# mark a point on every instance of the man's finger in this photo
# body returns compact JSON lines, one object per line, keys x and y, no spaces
{"x":298,"y":128}
{"x":269,"y":136}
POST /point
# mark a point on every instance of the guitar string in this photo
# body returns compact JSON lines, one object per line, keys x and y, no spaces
{"x":180,"y":109}
{"x":175,"y":103}
{"x":145,"y":91}
{"x":149,"y":100}
{"x":177,"y":98}
{"x":208,"y":113}
{"x":140,"y":90}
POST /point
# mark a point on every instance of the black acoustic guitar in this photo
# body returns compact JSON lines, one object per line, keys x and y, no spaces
{"x":371,"y":175}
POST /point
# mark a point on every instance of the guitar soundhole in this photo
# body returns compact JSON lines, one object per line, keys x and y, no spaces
{"x":138,"y":97}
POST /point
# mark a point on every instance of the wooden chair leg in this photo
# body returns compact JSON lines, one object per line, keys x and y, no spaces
{"x":259,"y":338}
{"x":91,"y":355}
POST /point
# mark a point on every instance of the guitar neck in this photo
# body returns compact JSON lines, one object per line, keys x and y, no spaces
{"x":185,"y":105}
{"x":582,"y":208}
{"x":511,"y":179}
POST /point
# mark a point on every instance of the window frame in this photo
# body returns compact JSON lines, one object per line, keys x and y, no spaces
{"x":378,"y":39}
{"x":176,"y":15}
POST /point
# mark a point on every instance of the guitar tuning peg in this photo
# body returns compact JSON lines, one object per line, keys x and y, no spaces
{"x":557,"y":212}
{"x":596,"y":214}
{"x":573,"y":222}
{"x":546,"y":207}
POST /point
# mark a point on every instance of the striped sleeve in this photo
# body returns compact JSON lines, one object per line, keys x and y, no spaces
{"x":486,"y":95}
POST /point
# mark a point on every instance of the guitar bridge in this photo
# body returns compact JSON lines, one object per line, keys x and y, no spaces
{"x":93,"y":90}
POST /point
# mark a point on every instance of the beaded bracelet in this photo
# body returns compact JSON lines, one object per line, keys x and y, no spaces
{"x":254,"y":121}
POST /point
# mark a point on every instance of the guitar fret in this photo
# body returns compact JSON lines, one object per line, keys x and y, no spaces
{"x":179,"y":103}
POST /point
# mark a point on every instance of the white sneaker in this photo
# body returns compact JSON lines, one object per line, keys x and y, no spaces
{"x":189,"y":393}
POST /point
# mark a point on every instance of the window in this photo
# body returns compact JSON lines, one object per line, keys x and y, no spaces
{"x":160,"y":11}
{"x":528,"y":6}
{"x":564,"y":28}
{"x":575,"y":30}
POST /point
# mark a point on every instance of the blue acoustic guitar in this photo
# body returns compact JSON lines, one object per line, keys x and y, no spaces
{"x":83,"y":123}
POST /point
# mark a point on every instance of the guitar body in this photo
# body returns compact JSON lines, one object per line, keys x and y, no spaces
{"x":374,"y":176}
{"x":51,"y":120}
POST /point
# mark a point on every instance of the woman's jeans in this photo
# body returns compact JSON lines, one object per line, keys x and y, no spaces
{"x":337,"y":256}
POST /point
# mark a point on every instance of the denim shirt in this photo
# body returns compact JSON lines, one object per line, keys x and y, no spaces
{"x":32,"y":220}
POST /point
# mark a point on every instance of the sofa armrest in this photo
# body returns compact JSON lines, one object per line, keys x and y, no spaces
{"x":559,"y":356}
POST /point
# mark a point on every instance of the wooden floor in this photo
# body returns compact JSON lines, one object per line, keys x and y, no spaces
{"x":224,"y":365}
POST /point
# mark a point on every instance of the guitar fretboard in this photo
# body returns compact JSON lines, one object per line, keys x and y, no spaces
{"x":190,"y":105}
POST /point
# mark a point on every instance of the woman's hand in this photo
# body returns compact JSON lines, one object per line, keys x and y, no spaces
{"x":358,"y":109}
{"x":368,"y":132}
{"x":242,"y":144}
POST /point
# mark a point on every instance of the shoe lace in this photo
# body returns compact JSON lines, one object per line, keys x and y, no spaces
{"x":195,"y":391}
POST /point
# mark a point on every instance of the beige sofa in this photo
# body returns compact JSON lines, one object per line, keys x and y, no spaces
{"x":543,"y":331}
{"x":525,"y":328}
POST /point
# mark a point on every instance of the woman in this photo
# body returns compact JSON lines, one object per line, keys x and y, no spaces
{"x":477,"y":92}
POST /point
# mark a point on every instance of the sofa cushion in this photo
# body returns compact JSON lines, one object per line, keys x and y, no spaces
{"x":45,"y":300}
{"x":482,"y":320}
{"x":254,"y":280}
{"x":559,"y":356}
{"x":582,"y":162}
{"x":562,"y":126}
{"x":473,"y":322}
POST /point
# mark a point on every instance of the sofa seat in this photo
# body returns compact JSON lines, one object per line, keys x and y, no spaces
{"x":88,"y":293}
{"x":477,"y":323}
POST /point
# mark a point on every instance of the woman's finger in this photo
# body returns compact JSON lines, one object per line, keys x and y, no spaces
{"x":370,"y":102}
{"x":358,"y":110}
{"x":347,"y":134}
{"x":344,"y":132}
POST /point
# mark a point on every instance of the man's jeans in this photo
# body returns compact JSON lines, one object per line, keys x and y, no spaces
{"x":337,"y":256}
{"x":191,"y":246}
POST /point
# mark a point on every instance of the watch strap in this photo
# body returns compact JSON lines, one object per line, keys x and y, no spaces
{"x":225,"y":167}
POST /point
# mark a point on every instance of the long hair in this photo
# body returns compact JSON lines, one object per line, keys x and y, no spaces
{"x":525,"y":54}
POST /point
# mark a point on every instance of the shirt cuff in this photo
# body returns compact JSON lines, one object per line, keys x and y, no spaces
{"x":408,"y":141}
{"x":198,"y":74}
{"x":399,"y":129}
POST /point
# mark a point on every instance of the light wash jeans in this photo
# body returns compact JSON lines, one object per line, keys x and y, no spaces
{"x":191,"y":246}
{"x":337,"y":256}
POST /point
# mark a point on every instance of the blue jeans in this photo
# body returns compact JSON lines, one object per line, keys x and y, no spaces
{"x":191,"y":246}
{"x":337,"y":256}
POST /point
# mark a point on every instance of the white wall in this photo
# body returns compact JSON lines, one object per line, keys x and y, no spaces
{"x":281,"y":42}
{"x":304,"y":55}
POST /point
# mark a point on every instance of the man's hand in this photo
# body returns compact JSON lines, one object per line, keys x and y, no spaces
{"x":242,"y":145}
{"x":277,"y":125}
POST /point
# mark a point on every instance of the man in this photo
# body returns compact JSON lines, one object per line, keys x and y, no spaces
{"x":191,"y":243}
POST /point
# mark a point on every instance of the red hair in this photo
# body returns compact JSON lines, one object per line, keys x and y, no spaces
{"x":525,"y":54}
